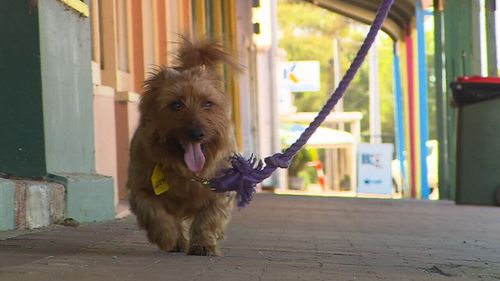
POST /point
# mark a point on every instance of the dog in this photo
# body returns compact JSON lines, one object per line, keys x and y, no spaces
{"x":184,"y":134}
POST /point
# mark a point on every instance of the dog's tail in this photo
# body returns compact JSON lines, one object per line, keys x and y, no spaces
{"x":204,"y":52}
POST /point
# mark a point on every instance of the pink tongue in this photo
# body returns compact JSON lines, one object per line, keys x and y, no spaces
{"x":193,"y":156}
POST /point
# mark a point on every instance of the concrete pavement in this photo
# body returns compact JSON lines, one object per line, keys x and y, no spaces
{"x":279,"y":238}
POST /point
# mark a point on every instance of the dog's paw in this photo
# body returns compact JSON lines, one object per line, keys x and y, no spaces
{"x":180,"y":247}
{"x":165,"y":245}
{"x":177,"y":249}
{"x":196,"y":250}
{"x":164,"y":241}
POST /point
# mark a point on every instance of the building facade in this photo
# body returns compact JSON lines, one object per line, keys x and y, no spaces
{"x":72,"y":80}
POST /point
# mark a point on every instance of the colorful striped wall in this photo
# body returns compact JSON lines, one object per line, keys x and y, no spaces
{"x":411,"y":105}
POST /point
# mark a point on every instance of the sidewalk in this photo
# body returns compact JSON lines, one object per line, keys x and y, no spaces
{"x":279,"y":238}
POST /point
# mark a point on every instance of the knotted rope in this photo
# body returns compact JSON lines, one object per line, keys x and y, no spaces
{"x":245,"y":174}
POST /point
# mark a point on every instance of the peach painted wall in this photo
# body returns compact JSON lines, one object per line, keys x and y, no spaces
{"x":105,"y":137}
{"x":127,"y":117}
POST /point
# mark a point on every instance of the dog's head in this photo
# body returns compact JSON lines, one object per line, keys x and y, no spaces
{"x":185,"y":109}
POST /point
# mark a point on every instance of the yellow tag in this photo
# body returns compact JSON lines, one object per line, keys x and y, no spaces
{"x":158,"y":181}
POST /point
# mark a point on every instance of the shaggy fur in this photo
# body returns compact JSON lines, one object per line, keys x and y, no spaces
{"x":186,"y":127}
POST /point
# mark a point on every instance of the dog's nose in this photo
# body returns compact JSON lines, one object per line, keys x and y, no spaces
{"x":196,"y":134}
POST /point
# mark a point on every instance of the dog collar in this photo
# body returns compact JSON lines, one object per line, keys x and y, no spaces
{"x":203,"y":181}
{"x":160,"y":184}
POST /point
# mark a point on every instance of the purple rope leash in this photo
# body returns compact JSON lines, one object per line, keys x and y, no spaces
{"x":246,"y":173}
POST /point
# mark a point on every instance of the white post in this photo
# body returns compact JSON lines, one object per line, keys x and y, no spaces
{"x":275,"y":122}
{"x":375,"y":128}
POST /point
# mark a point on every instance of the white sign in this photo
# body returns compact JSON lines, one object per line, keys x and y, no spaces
{"x":299,"y":76}
{"x":374,"y":168}
{"x":285,"y":102}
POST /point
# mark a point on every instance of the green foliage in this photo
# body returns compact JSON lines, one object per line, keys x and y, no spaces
{"x":307,"y":33}
{"x":299,"y":162}
{"x":298,"y":166}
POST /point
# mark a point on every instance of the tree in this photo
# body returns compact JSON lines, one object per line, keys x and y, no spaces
{"x":307,"y":33}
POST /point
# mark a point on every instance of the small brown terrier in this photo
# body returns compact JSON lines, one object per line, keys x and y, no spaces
{"x":185,"y":133}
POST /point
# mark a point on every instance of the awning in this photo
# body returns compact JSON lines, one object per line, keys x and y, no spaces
{"x":364,"y":11}
{"x":322,"y":138}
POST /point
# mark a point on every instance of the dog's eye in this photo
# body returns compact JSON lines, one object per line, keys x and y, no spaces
{"x":176,"y":105}
{"x":208,"y":104}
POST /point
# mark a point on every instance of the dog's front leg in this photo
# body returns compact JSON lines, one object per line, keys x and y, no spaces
{"x":208,"y":227}
{"x":161,"y":226}
{"x":182,"y":242}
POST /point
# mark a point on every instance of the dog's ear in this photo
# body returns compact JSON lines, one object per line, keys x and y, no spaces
{"x":204,"y":52}
{"x":156,"y":81}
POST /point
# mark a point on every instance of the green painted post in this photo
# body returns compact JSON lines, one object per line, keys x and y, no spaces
{"x":65,"y":46}
{"x":454,"y":68}
{"x":22,"y":139}
{"x":491,"y":38}
{"x":461,"y":28}
{"x":46,"y":113}
{"x":46,"y":110}
{"x":441,"y":102}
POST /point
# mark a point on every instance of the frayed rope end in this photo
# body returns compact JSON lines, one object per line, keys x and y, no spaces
{"x":244,"y":175}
